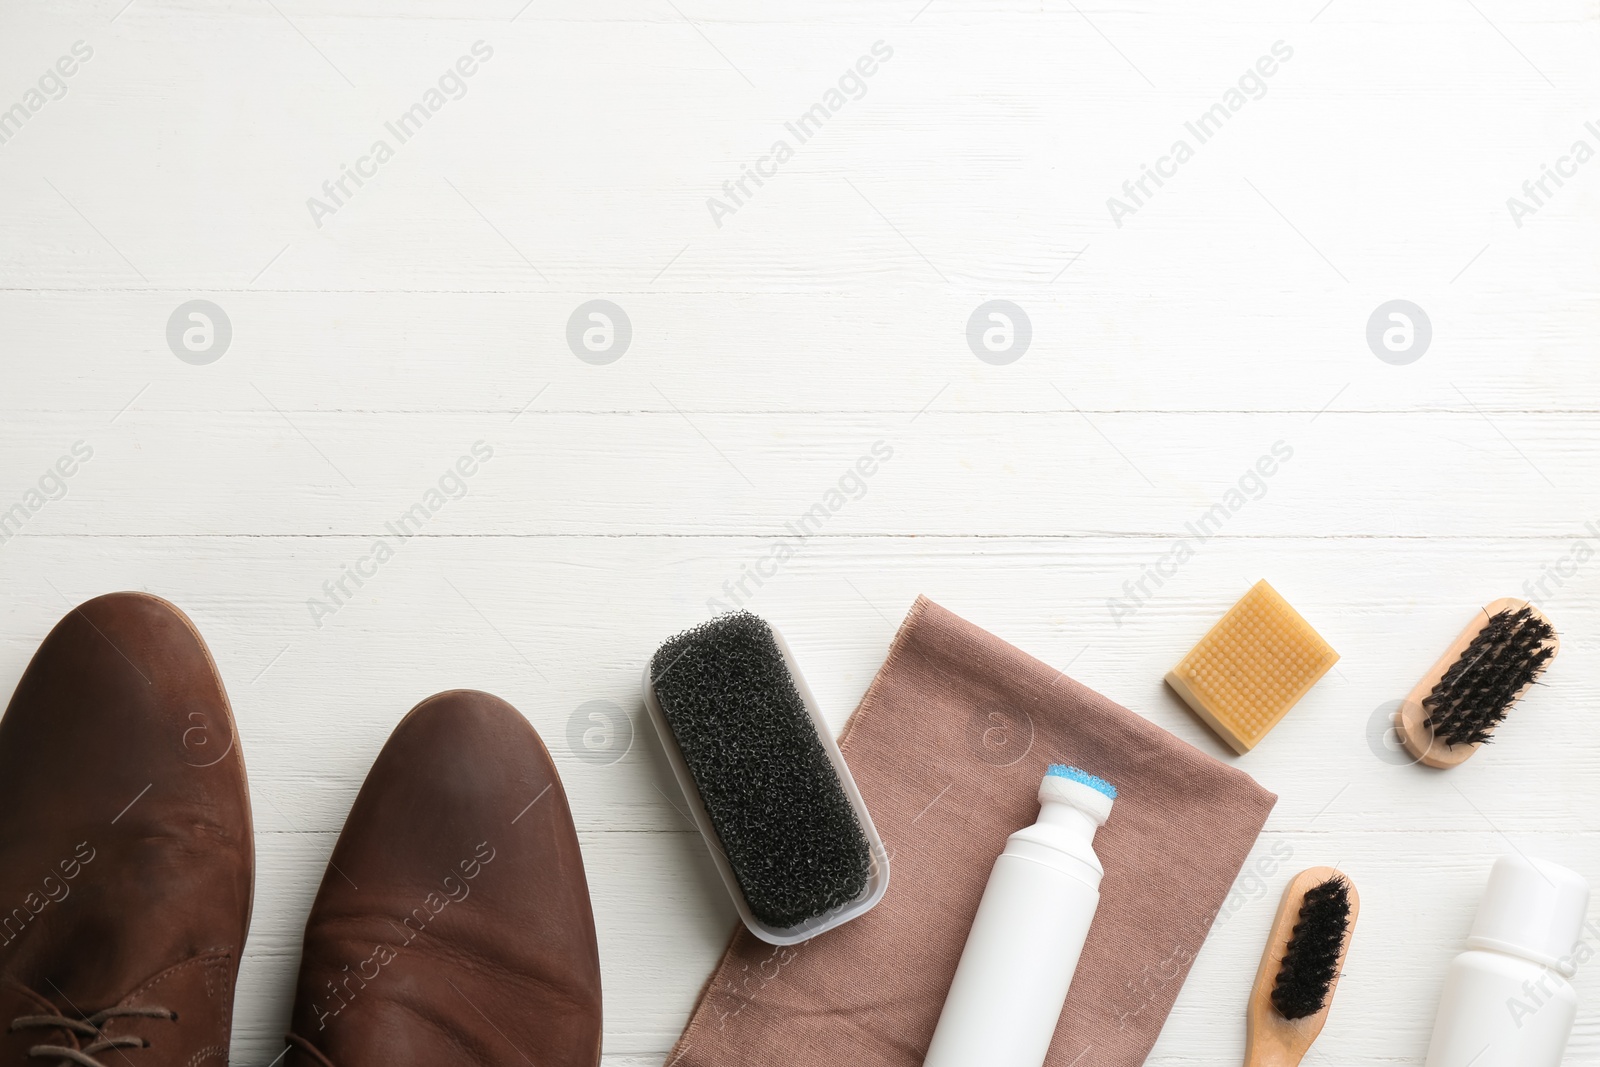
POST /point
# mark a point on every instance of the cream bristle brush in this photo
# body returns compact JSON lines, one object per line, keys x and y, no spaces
{"x":1454,"y":710}
{"x":1300,"y":968}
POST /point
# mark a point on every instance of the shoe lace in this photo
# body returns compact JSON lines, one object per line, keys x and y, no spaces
{"x":91,"y":1028}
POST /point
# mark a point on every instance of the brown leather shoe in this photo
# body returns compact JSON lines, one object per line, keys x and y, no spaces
{"x":453,"y":924}
{"x":126,"y":860}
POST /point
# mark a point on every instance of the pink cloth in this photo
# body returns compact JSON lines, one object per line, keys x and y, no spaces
{"x":948,"y":747}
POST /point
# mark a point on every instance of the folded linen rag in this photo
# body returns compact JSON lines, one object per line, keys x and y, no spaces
{"x":948,"y":747}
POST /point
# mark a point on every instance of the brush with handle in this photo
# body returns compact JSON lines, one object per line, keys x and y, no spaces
{"x":1300,"y":968}
{"x":1455,"y":708}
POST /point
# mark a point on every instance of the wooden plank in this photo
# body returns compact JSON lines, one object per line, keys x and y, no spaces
{"x":249,"y":469}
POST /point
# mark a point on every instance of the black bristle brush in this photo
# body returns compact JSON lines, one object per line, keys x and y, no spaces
{"x":1300,"y":967}
{"x":1457,"y":706}
{"x":795,"y":840}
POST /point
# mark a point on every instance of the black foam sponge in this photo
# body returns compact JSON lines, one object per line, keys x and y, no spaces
{"x":780,"y":813}
{"x":1311,"y":961}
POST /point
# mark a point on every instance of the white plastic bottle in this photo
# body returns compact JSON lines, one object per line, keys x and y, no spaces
{"x":1506,"y":1000}
{"x":1006,"y":998}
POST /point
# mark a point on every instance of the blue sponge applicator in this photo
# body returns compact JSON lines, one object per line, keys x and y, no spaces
{"x":1100,"y":785}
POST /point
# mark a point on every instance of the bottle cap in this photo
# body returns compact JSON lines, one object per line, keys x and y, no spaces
{"x":1082,"y":790}
{"x":1534,"y":909}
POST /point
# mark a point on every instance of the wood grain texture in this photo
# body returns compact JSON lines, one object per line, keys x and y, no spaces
{"x":1047,"y":500}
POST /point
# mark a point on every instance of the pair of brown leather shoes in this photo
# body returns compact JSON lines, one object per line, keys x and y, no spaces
{"x":453,"y":924}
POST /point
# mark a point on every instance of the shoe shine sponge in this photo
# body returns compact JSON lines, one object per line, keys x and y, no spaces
{"x":1252,"y":667}
{"x":765,"y":782}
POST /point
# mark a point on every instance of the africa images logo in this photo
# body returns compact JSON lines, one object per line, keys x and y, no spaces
{"x":452,"y":890}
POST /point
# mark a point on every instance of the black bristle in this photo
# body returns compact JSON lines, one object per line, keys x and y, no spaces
{"x":1476,"y":692}
{"x":1311,"y":960}
{"x":783,"y":819}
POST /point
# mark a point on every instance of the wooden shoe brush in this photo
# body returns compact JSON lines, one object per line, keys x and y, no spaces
{"x":1454,"y":710}
{"x":1300,"y":968}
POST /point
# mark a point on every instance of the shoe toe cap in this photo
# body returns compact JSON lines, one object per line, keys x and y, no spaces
{"x":458,"y":886}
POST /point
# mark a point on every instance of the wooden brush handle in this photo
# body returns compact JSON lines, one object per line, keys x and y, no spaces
{"x":1272,"y":1056}
{"x":1270,"y":1039}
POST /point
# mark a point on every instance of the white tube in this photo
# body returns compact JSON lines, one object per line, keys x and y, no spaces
{"x":1023,"y":948}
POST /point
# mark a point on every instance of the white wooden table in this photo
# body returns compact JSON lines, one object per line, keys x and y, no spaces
{"x":377,"y":335}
